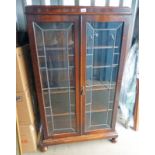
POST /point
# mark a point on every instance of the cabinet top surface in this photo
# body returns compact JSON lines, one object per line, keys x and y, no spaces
{"x":47,"y":10}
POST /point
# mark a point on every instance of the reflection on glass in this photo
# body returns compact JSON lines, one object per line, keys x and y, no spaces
{"x":84,"y":3}
{"x":47,"y":2}
{"x":28,"y":2}
{"x":56,"y":2}
{"x":55,"y":50}
{"x":102,"y":60}
{"x":114,"y":2}
{"x":127,"y":3}
{"x":100,"y":2}
{"x":69,"y":2}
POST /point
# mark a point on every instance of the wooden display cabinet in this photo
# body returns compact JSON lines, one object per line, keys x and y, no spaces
{"x":78,"y":56}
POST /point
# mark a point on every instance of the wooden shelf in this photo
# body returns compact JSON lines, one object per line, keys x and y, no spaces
{"x":67,"y":114}
{"x":99,"y":85}
{"x":102,"y":47}
{"x":63,"y":114}
{"x":71,"y":46}
{"x":56,"y":68}
{"x":98,"y":108}
{"x":101,"y":66}
{"x":96,"y":88}
{"x":59,"y":90}
{"x":95,"y":109}
{"x":89,"y":54}
{"x":56,"y":47}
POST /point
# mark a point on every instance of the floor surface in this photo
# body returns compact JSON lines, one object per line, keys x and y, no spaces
{"x":129,"y":142}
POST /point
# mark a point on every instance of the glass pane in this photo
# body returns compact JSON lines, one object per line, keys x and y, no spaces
{"x":55,"y":51}
{"x":69,"y":2}
{"x":100,"y":2}
{"x":44,"y":78}
{"x":47,"y":2}
{"x":102,"y":59}
{"x":127,"y":3}
{"x":59,"y":78}
{"x":84,"y":2}
{"x":114,"y":2}
{"x":28,"y":2}
{"x":56,"y":2}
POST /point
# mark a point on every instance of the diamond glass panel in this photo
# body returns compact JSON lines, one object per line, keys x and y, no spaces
{"x":102,"y":63}
{"x":55,"y":52}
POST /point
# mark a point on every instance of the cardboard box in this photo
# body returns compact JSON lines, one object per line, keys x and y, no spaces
{"x":24,"y":108}
{"x":18,"y":138}
{"x":28,"y":138}
{"x":22,"y":73}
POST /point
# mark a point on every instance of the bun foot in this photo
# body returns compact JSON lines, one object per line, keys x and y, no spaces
{"x":113,"y":140}
{"x":43,"y":148}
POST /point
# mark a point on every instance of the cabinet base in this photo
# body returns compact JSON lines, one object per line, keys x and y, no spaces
{"x":43,"y":148}
{"x":113,"y":140}
{"x":105,"y":135}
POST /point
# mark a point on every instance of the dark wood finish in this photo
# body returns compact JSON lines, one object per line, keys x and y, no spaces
{"x":113,"y":140}
{"x":82,"y":71}
{"x":73,"y":14}
{"x":76,"y":10}
{"x":56,"y":18}
{"x":102,"y":135}
{"x":30,"y":19}
{"x":124,"y":50}
{"x":43,"y":148}
{"x":40,"y":137}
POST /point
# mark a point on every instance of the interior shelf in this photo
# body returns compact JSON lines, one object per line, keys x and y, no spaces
{"x":56,"y":68}
{"x":56,"y":47}
{"x":99,"y":107}
{"x":98,"y":110}
{"x":88,"y":66}
{"x":71,"y":46}
{"x":92,"y":111}
{"x":102,"y":47}
{"x":99,"y":85}
{"x":102,"y":66}
{"x":63,"y":114}
{"x":42,"y":56}
{"x":90,"y":54}
{"x":59,"y":90}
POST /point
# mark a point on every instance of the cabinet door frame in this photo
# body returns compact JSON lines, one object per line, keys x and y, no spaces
{"x":48,"y":19}
{"x":124,"y":49}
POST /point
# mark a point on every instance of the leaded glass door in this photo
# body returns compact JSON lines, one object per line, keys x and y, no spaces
{"x":102,"y":55}
{"x":57,"y":56}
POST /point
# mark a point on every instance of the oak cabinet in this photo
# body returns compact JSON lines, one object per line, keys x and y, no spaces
{"x":78,"y":57}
